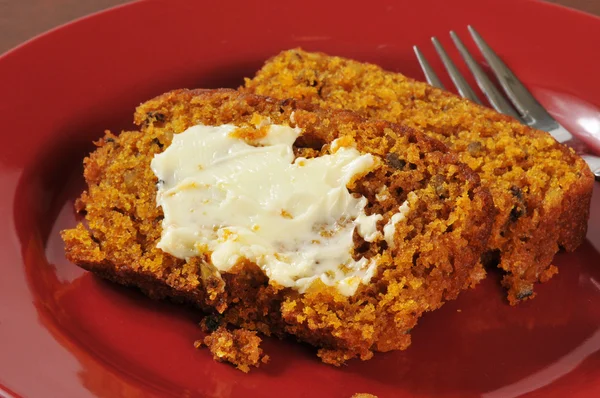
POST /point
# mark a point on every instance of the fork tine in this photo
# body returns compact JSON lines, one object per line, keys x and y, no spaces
{"x":496,"y":98}
{"x":459,"y":80}
{"x":532,"y":112}
{"x":430,"y":74}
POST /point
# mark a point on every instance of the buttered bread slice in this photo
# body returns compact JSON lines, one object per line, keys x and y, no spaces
{"x":283,"y":218}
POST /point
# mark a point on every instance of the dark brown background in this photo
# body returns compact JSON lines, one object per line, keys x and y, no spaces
{"x":23,"y":19}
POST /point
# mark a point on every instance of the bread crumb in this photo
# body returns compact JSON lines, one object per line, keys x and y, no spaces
{"x":240,"y":347}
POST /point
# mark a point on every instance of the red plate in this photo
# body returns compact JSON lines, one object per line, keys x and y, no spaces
{"x":65,"y":333}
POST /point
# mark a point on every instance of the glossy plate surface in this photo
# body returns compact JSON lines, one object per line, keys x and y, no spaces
{"x":65,"y":333}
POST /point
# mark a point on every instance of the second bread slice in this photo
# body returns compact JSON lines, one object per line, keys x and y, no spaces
{"x":541,"y":189}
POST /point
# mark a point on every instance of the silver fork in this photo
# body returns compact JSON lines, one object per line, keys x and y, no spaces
{"x":518,"y":102}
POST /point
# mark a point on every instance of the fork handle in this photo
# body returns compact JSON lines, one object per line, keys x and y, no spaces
{"x":594,"y":163}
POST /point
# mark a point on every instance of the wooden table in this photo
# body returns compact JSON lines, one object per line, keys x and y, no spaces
{"x":22,"y":19}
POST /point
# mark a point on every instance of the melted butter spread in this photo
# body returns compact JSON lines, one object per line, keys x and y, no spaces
{"x":389,"y":230}
{"x":293,"y":217}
